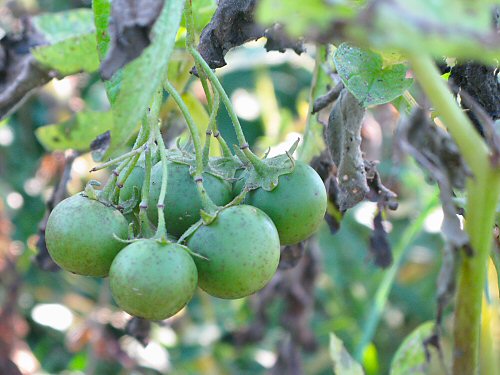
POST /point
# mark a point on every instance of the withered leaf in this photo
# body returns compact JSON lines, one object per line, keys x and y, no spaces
{"x":380,"y":248}
{"x":434,"y":149}
{"x":343,"y":137}
{"x":233,"y":24}
{"x":140,"y":329}
{"x":19,"y":71}
{"x":100,"y":145}
{"x":129,"y":28}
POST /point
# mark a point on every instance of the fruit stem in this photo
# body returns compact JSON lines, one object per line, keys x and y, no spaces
{"x":143,"y":206}
{"x":258,"y":164}
{"x":109,"y":192}
{"x":483,"y":190}
{"x":222,"y":142}
{"x":161,"y":230}
{"x":207,"y":203}
{"x":118,"y":159}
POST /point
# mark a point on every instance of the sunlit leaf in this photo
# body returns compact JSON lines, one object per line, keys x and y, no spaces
{"x":72,"y":43}
{"x":364,"y":75}
{"x":76,"y":133}
{"x":132,"y":94}
{"x":343,"y":364}
{"x":410,"y":357}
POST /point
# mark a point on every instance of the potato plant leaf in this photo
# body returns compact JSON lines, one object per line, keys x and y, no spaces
{"x":364,"y":75}
{"x":343,"y":364}
{"x":129,"y":32}
{"x":410,"y":358}
{"x":343,"y":137}
{"x":77,"y":133}
{"x":131,"y":95}
{"x":71,"y":41}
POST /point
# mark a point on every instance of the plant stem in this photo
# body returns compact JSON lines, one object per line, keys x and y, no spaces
{"x":384,"y":288}
{"x":161,"y":229}
{"x":256,"y":162}
{"x":309,"y":142}
{"x":118,"y":159}
{"x":193,"y":129}
{"x":483,"y":190}
{"x":481,"y":206}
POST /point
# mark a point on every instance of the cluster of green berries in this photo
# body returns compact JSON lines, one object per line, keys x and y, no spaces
{"x":235,"y":255}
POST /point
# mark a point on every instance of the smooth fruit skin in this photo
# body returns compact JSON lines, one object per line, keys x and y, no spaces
{"x":79,"y":235}
{"x":182,"y":202}
{"x":297,"y":205}
{"x":136,"y":178}
{"x":242,"y":245}
{"x":152,"y":280}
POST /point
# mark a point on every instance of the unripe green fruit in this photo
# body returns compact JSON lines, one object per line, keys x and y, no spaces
{"x":182,"y":202}
{"x":152,"y":280}
{"x":243,"y":251}
{"x":79,"y":235}
{"x":297,"y":205}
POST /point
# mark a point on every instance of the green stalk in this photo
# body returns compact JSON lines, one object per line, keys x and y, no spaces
{"x":161,"y":230}
{"x":384,"y":288}
{"x":193,"y":129}
{"x":190,"y":43}
{"x":256,"y":162}
{"x":309,"y":143}
{"x":483,"y":190}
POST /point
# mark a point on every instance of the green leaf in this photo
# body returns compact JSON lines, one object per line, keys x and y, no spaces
{"x":303,"y":17}
{"x":457,"y":28}
{"x":410,"y":357}
{"x":102,"y":12}
{"x":72,"y":44}
{"x":131,"y":95}
{"x":343,"y":364}
{"x":365,"y":76}
{"x":76,"y":133}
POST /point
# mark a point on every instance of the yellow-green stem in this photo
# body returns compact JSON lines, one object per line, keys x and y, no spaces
{"x":193,"y":129}
{"x":483,"y":190}
{"x":256,"y":162}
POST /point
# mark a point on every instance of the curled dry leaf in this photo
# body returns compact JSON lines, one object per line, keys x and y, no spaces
{"x":130,"y":27}
{"x":19,"y":71}
{"x":380,"y":248}
{"x":140,"y":329}
{"x":233,"y":24}
{"x":343,"y":137}
{"x":434,"y":149}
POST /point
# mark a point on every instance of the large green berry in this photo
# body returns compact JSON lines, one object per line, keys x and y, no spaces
{"x":80,"y":235}
{"x":182,"y":202}
{"x":153,"y":280}
{"x":243,"y":251}
{"x":296,"y":206}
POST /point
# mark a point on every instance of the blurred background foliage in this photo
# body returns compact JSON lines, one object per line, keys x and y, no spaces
{"x":57,"y":322}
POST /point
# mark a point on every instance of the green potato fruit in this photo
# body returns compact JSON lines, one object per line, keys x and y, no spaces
{"x":243,"y":251}
{"x":79,"y":235}
{"x":182,"y":202}
{"x":153,"y":280}
{"x":297,"y":205}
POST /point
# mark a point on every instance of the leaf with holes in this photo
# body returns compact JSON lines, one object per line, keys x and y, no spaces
{"x":71,"y":41}
{"x":76,"y":133}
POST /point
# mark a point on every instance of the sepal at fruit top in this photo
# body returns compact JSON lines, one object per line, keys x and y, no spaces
{"x":129,"y":205}
{"x":90,"y":192}
{"x":267,"y":176}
